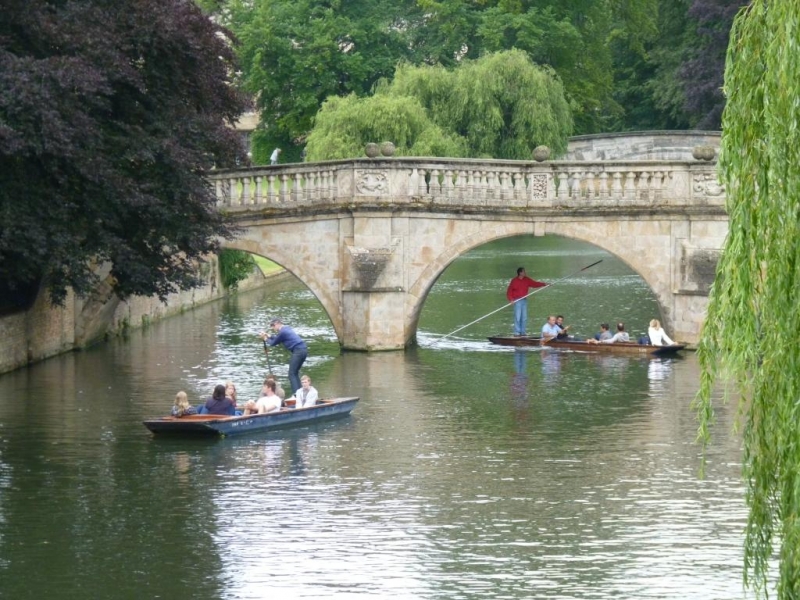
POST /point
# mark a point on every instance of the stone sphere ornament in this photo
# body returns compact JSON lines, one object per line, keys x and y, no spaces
{"x":541,"y":153}
{"x":372,"y":150}
{"x":704,"y":152}
{"x":387,"y":149}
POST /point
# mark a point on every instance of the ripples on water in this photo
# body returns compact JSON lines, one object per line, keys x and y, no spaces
{"x":466,"y":471}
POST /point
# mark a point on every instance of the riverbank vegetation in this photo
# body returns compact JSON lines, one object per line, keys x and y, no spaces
{"x":753,"y":323}
{"x":110,"y":115}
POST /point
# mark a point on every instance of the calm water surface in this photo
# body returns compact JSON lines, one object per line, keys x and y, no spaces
{"x":466,"y":471}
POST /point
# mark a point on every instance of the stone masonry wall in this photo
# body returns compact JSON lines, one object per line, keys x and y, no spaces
{"x":46,"y":330}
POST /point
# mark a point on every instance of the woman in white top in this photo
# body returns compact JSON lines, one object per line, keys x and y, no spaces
{"x":658,"y":337}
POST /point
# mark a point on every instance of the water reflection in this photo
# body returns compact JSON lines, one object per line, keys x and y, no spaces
{"x":466,"y":471}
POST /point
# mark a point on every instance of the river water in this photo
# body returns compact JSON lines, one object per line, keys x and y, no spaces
{"x":466,"y":471}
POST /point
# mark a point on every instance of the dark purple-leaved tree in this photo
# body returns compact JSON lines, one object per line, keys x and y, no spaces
{"x":110,"y":114}
{"x":702,"y":73}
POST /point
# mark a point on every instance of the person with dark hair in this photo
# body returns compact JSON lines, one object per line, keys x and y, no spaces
{"x":219,"y":404}
{"x":604,"y":334}
{"x":620,"y":336}
{"x":562,"y":334}
{"x":268,"y":402}
{"x":293,"y":343}
{"x":517,"y":293}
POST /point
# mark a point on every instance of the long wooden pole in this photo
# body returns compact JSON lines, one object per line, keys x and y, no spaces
{"x":549,"y":285}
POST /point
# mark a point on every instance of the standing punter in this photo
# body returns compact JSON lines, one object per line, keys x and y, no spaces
{"x":293,"y":343}
{"x":517,"y":293}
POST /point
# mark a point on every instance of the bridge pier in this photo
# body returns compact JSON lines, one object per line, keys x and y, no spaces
{"x":373,"y":320}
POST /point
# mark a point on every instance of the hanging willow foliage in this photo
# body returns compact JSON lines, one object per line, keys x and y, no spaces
{"x":752,"y":330}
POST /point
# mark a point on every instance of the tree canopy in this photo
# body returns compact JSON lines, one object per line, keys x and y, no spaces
{"x":110,"y":114}
{"x":500,"y":105}
{"x":624,"y":64}
{"x":753,"y":320}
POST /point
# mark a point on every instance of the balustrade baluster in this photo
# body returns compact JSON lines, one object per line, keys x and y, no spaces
{"x":616,"y":185}
{"x":483,"y":183}
{"x":233,"y":187}
{"x":436,"y":186}
{"x":630,"y":186}
{"x":258,"y":199}
{"x":643,"y":187}
{"x":491,"y":187}
{"x":461,"y":185}
{"x":325,"y":185}
{"x":602,"y":192}
{"x":505,"y":186}
{"x":284,"y":188}
{"x":271,"y":189}
{"x":658,"y":186}
{"x":563,"y":187}
{"x":518,"y":191}
{"x":423,"y":185}
{"x":297,"y":189}
{"x":246,"y":191}
{"x":590,"y":186}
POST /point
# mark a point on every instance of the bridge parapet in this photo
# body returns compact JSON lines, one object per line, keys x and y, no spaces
{"x":478,"y":183}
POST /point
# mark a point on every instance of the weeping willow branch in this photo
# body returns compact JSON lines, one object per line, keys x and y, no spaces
{"x":752,"y":330}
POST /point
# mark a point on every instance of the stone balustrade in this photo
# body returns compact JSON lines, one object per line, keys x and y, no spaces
{"x":483,"y":184}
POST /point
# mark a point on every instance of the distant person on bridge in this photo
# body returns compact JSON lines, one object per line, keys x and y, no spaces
{"x":273,"y":158}
{"x":293,"y":343}
{"x":517,"y":293}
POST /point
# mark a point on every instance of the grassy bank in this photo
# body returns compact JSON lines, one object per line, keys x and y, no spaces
{"x":267,"y":266}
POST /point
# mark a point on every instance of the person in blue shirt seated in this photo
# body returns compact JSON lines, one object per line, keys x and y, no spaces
{"x":293,"y":343}
{"x":219,"y":404}
{"x":550,"y":330}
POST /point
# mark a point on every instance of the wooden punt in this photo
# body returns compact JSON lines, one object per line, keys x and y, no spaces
{"x":205,"y":425}
{"x":629,"y":348}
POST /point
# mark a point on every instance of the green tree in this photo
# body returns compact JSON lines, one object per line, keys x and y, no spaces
{"x":110,"y":114}
{"x":297,"y":53}
{"x":345,"y":125}
{"x":753,"y":320}
{"x":501,"y":106}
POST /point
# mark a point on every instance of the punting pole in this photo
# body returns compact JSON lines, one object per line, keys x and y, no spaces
{"x":549,"y":285}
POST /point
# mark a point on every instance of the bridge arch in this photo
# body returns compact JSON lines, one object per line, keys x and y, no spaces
{"x":423,"y":286}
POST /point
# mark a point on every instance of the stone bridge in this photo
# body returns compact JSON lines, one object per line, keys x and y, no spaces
{"x":370,"y":237}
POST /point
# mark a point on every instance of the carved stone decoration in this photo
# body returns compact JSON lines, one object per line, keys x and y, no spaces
{"x":369,"y":264}
{"x":387,"y":149}
{"x":538,"y":187}
{"x":541,"y":153}
{"x":706,"y":184}
{"x":372,"y":183}
{"x":372,"y":150}
{"x":704,"y":152}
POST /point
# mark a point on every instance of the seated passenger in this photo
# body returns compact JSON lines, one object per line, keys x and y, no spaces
{"x":306,"y":395}
{"x":278,"y":389}
{"x":658,"y":337}
{"x":562,"y":334}
{"x":268,"y":402}
{"x":182,"y":406}
{"x":604,"y":334}
{"x":219,"y":404}
{"x":230,"y":391}
{"x":550,"y":330}
{"x":620,"y":336}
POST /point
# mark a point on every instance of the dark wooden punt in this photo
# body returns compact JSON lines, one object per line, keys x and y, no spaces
{"x":630,"y":348}
{"x":204,"y":425}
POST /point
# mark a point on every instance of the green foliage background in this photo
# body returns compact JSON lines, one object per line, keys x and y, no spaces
{"x":498,"y":106}
{"x":753,"y":323}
